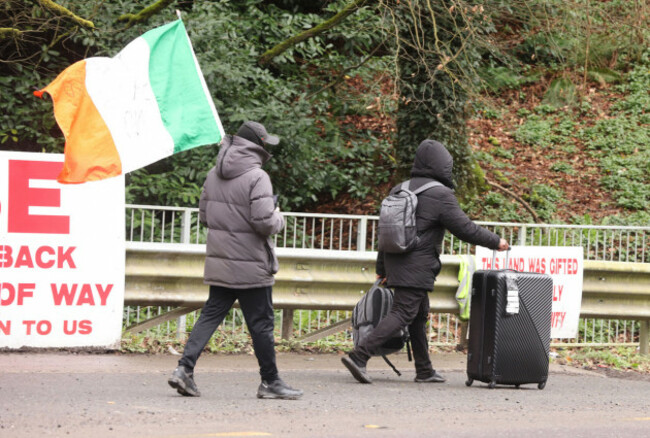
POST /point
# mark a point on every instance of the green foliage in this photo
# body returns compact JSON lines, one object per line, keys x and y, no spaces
{"x":618,"y":358}
{"x":497,"y":78}
{"x":493,"y":204}
{"x":561,"y":93}
{"x":637,"y":99}
{"x":621,"y":143}
{"x":228,"y":38}
{"x":535,"y":131}
{"x":638,"y":218}
{"x":563,"y":167}
{"x":503,"y":153}
{"x":569,"y":34}
{"x":544,"y":199}
{"x":604,"y":76}
{"x":304,"y":96}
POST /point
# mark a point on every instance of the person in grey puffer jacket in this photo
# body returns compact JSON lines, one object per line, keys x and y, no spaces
{"x":237,"y":205}
{"x":413,"y":274}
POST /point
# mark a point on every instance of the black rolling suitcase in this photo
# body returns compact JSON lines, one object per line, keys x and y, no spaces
{"x":509,"y":327}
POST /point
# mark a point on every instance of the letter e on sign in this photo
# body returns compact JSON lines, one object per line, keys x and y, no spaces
{"x":21,"y":197}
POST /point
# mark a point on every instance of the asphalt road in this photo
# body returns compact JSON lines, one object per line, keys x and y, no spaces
{"x":112,"y":395}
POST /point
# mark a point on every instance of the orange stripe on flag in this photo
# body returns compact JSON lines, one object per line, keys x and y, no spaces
{"x":90,"y":152}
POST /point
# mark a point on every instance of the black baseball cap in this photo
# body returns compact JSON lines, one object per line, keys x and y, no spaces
{"x":256,"y":132}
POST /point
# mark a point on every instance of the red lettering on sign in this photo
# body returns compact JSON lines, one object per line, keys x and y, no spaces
{"x":45,"y":257}
{"x":24,"y":258}
{"x":564,"y":266}
{"x":42,"y":327}
{"x":6,"y":259}
{"x":103,"y":293}
{"x":537,"y":265}
{"x":83,"y":327}
{"x":65,"y":294}
{"x":516,"y":263}
{"x":557,"y":319}
{"x":557,"y":292}
{"x":65,"y":257}
{"x":28,"y":326}
{"x":5,"y":327}
{"x":21,"y":197}
{"x":24,"y":290}
{"x":86,"y":296}
{"x":39,"y":257}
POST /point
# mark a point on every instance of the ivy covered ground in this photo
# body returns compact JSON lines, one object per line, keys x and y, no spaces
{"x":585,"y":160}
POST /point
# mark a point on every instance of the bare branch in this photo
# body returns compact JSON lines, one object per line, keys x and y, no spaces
{"x":60,"y":11}
{"x":144,"y":14}
{"x":525,"y":204}
{"x":345,"y":71}
{"x":321,"y":28}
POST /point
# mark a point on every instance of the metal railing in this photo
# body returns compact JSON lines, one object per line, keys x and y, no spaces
{"x":615,"y":294}
{"x":444,"y":329}
{"x":359,"y":233}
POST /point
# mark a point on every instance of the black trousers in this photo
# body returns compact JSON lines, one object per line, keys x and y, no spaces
{"x":257,"y":307}
{"x":410,"y":308}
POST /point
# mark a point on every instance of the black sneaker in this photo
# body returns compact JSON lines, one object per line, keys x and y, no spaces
{"x":278,"y":389}
{"x":183,"y":382}
{"x":358,"y":370}
{"x":432,"y":378}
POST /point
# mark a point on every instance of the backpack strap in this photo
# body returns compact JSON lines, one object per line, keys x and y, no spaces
{"x":405,"y":186}
{"x":391,"y":365}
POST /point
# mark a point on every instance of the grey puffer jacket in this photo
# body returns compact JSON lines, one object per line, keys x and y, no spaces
{"x":237,"y":206}
{"x":437,"y":211}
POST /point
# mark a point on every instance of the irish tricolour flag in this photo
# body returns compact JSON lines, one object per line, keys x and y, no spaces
{"x":146,"y":103}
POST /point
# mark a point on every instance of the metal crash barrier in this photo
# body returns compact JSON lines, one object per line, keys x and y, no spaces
{"x":160,"y":274}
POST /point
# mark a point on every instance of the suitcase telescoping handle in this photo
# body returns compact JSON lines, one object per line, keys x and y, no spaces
{"x":494,"y":257}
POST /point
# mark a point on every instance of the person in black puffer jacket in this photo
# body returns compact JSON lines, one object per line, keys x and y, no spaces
{"x":413,"y":274}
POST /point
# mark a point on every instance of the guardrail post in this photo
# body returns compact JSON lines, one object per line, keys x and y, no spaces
{"x":643,"y":336}
{"x":186,"y":226}
{"x":287,"y":324}
{"x":463,"y":340}
{"x":522,"y":235}
{"x":181,"y":327}
{"x":361,"y":234}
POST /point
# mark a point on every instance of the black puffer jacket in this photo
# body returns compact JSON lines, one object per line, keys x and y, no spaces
{"x":437,"y":211}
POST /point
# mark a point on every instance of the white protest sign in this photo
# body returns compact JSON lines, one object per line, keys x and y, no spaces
{"x":564,"y":264}
{"x":61,"y":256}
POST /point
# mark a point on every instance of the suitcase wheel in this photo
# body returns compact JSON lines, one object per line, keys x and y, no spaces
{"x":492,"y":384}
{"x":469,"y":382}
{"x":541,"y":385}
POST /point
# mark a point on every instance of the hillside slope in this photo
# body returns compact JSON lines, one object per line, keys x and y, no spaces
{"x":585,"y":162}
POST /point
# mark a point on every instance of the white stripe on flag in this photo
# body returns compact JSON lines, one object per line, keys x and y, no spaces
{"x":120,"y":89}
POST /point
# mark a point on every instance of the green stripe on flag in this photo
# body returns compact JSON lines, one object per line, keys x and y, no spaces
{"x":184,"y":105}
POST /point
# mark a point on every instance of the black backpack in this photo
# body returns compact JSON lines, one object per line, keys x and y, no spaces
{"x":371,"y":309}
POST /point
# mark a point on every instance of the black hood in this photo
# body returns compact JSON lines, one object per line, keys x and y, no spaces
{"x":432,"y":160}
